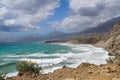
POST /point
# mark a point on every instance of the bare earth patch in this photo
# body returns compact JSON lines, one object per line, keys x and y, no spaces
{"x":82,"y":72}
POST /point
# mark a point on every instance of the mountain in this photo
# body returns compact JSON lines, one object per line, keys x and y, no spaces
{"x":101,"y":28}
{"x":38,"y":37}
{"x":30,"y":38}
{"x":55,"y":35}
{"x":111,"y":40}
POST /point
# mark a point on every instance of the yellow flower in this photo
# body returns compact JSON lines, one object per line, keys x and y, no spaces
{"x":32,"y":62}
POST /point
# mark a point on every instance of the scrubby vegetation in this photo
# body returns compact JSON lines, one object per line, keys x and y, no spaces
{"x":28,"y":67}
{"x":2,"y":75}
{"x":115,"y":59}
{"x":111,"y":60}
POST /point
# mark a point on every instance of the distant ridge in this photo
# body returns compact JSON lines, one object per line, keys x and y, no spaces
{"x":56,"y":35}
{"x":38,"y":37}
{"x":101,"y":28}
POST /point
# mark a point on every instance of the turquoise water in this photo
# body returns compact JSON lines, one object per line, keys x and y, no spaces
{"x":12,"y":52}
{"x":49,"y":56}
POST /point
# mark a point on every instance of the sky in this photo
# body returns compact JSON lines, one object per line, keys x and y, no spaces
{"x":23,"y":17}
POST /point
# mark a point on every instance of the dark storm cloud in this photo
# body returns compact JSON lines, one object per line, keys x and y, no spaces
{"x":91,"y":11}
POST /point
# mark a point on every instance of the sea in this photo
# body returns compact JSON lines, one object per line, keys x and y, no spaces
{"x":49,"y":56}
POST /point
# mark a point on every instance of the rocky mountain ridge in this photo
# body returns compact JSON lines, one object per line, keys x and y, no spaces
{"x":111,"y":40}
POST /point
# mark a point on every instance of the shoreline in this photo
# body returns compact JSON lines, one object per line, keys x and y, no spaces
{"x":109,"y":41}
{"x":83,"y":71}
{"x":15,"y":75}
{"x":58,"y":74}
{"x":12,"y":74}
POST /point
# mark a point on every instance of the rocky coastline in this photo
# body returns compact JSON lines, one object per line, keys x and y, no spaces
{"x":85,"y":71}
{"x":109,"y":40}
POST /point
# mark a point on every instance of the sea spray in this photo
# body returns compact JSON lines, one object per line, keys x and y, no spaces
{"x":50,"y":56}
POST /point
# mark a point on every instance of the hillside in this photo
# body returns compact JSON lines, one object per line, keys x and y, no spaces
{"x":84,"y":71}
{"x":92,"y":33}
{"x":111,"y":40}
{"x":100,"y":28}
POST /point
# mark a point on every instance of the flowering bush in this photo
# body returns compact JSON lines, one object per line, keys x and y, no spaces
{"x":111,"y":60}
{"x":2,"y":75}
{"x":28,"y":67}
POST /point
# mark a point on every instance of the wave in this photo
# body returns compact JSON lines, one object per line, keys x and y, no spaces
{"x":6,"y":64}
{"x":79,"y":53}
{"x":55,"y":58}
{"x":87,"y":53}
{"x":11,"y":74}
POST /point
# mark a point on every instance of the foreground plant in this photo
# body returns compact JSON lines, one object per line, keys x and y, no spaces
{"x":2,"y":76}
{"x":28,"y":67}
{"x":110,"y":60}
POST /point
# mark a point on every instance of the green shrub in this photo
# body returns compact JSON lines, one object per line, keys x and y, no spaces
{"x":2,"y":75}
{"x":111,"y":60}
{"x":28,"y":67}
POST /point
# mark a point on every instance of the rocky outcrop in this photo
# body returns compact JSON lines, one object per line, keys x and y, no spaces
{"x":85,"y":71}
{"x":111,"y":40}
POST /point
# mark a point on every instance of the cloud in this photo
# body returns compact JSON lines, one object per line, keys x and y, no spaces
{"x":71,"y":22}
{"x":3,"y":11}
{"x":22,"y":15}
{"x":91,"y":11}
{"x":85,"y":14}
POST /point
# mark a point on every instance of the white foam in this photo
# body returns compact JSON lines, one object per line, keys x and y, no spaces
{"x":89,"y":53}
{"x":27,"y":55}
{"x":86,"y":53}
{"x":35,"y":55}
{"x":11,"y":74}
{"x":50,"y":69}
{"x":80,"y":53}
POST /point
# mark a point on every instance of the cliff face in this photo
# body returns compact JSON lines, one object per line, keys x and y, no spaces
{"x":111,"y":40}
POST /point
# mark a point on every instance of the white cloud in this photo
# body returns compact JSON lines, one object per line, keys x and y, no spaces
{"x":77,"y":4}
{"x":73,"y":22}
{"x":24,"y":14}
{"x":89,"y":13}
{"x":3,"y":12}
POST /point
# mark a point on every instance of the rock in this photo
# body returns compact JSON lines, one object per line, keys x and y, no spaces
{"x":111,"y":40}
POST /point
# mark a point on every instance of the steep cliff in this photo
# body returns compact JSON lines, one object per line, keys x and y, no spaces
{"x":111,"y":40}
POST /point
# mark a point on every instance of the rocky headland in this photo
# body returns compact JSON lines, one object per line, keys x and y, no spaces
{"x":111,"y":40}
